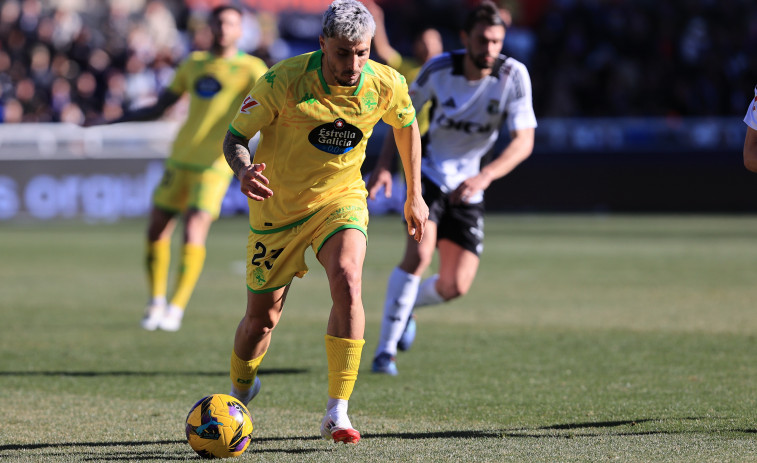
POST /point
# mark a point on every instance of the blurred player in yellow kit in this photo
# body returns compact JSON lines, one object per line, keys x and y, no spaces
{"x":196,"y":174}
{"x":315,"y":113}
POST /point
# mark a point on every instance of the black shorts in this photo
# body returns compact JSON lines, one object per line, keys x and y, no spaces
{"x":462,"y":223}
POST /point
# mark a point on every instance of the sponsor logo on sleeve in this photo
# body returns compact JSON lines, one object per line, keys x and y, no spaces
{"x":248,"y":104}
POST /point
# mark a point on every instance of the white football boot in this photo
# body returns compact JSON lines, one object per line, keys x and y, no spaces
{"x":337,"y":426}
{"x":171,"y":320}
{"x":153,"y":314}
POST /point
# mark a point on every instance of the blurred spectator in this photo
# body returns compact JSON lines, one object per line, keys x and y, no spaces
{"x":60,"y":95}
{"x":588,"y":58}
{"x":426,"y":44}
{"x":631,"y":58}
{"x":11,"y":111}
{"x":270,"y":47}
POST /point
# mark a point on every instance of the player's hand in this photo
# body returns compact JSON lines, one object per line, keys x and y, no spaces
{"x":380,"y":177}
{"x":416,"y":215}
{"x":253,"y":183}
{"x":469,"y":188}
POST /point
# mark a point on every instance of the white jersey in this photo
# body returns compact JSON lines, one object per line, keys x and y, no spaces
{"x":466,"y":115}
{"x":751,"y":114}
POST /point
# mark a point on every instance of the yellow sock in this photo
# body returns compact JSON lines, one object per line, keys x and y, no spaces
{"x":192,"y":261}
{"x":157,"y":260}
{"x":343,"y":357}
{"x":243,"y":372}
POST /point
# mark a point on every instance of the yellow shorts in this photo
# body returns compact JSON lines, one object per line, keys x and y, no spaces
{"x":181,"y":189}
{"x":275,"y":257}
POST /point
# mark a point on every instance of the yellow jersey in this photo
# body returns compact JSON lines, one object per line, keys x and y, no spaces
{"x":215,"y":86}
{"x":314,"y":135}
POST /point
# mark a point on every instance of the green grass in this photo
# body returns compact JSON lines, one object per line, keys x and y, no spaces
{"x":584,"y":338}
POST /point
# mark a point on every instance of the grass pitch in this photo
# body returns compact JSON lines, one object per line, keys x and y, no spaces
{"x":584,"y":338}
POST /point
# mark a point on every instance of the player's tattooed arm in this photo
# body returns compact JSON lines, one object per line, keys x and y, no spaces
{"x":252,"y":182}
{"x":237,"y":153}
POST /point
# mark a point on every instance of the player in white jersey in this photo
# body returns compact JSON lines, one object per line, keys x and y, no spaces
{"x":750,"y":141}
{"x":473,"y":92}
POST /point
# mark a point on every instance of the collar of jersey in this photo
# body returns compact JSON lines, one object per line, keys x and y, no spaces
{"x":314,"y":64}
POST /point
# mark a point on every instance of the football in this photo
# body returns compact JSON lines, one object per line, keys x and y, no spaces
{"x":219,"y":426}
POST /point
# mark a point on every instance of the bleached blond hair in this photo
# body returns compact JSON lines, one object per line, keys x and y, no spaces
{"x":348,"y":19}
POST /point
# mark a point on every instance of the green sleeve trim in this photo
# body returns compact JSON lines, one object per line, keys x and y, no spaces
{"x":285,"y":227}
{"x":343,"y":227}
{"x":236,"y":132}
{"x":411,"y":122}
{"x":267,"y":290}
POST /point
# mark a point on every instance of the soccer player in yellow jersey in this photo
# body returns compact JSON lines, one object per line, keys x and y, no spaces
{"x":196,"y":174}
{"x":315,"y":113}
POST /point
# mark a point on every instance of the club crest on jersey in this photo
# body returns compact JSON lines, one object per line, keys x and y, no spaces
{"x":248,"y":104}
{"x":336,"y":137}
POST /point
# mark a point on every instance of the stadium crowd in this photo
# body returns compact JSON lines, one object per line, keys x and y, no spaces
{"x":85,"y":62}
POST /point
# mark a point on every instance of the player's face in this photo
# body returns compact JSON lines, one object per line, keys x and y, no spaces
{"x":483,"y":44}
{"x":428,"y":45}
{"x":227,"y":29}
{"x":343,"y":60}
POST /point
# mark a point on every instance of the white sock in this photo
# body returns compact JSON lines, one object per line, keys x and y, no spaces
{"x":427,"y":293}
{"x":158,"y":300}
{"x":401,"y":291}
{"x":337,"y":405}
{"x":337,"y":408}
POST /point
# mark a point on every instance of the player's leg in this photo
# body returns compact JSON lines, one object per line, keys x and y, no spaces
{"x":460,"y":242}
{"x":273,"y":260}
{"x":342,"y":256}
{"x":157,"y":262}
{"x":457,"y":270}
{"x":251,"y":341}
{"x":196,"y":227}
{"x":206,"y":190}
{"x":459,"y":236}
{"x":401,"y":292}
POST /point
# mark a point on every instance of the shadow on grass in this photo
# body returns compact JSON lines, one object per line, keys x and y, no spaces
{"x":88,"y":444}
{"x":86,"y":374}
{"x":151,"y":455}
{"x":536,"y":433}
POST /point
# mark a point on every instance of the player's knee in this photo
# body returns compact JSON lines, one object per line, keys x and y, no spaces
{"x":451,"y":290}
{"x":416,"y":263}
{"x":424,"y":260}
{"x":347,"y":281}
{"x":258,"y":327}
